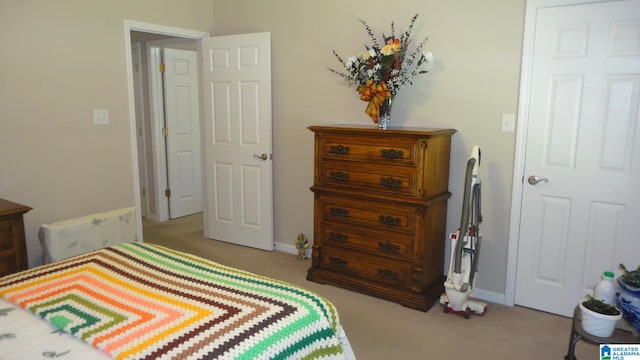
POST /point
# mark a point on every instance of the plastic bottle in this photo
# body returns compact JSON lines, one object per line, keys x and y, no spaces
{"x":604,"y":289}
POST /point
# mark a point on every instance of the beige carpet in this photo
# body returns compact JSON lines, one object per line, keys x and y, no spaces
{"x":379,"y":329}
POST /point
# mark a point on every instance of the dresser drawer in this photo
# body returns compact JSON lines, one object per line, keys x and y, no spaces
{"x":367,"y":213}
{"x":8,"y":263}
{"x":369,"y":149}
{"x":389,"y":244}
{"x":362,"y":265}
{"x":7,"y":235}
{"x":390,"y":179}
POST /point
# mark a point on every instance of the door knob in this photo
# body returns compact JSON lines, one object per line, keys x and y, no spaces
{"x":260,"y":157}
{"x":533,"y":180}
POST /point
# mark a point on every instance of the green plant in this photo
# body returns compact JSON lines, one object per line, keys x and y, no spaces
{"x":631,"y":278}
{"x":600,"y":306}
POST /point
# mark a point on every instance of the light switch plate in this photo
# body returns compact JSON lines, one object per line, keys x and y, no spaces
{"x":100,"y":117}
{"x":508,"y":122}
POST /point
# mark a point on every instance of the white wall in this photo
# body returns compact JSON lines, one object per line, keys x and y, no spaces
{"x":63,"y":59}
{"x":60,"y":60}
{"x":477,"y":46}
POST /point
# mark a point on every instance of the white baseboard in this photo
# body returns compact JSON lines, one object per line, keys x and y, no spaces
{"x":488,"y":296}
{"x":286,"y":248}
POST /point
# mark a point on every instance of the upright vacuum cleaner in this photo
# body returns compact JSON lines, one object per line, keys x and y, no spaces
{"x":465,"y":246}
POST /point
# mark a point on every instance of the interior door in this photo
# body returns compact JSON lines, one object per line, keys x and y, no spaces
{"x":237,"y":139}
{"x":581,"y":197}
{"x":182,"y":118}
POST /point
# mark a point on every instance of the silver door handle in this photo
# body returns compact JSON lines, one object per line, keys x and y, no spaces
{"x":260,"y":157}
{"x":534,"y":180}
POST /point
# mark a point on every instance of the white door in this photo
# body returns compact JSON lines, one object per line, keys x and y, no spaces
{"x":583,"y":136}
{"x":183,"y":132}
{"x":237,"y":140}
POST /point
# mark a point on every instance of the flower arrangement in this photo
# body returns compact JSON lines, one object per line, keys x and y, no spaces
{"x":381,"y":71}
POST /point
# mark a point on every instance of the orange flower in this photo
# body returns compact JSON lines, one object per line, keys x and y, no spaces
{"x":391,"y":47}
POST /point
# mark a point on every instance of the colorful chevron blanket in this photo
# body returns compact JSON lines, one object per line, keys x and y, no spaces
{"x":142,"y":301}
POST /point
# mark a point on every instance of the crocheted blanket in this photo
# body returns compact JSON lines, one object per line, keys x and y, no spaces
{"x":142,"y":301}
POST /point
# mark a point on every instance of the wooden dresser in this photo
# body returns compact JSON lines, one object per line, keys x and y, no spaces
{"x":13,"y":248}
{"x":380,"y":205}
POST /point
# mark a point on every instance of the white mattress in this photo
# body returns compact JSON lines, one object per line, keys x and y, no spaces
{"x":76,"y":236}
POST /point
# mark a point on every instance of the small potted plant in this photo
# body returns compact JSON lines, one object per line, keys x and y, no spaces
{"x":302,"y":244}
{"x":598,"y":317}
{"x":628,"y":295}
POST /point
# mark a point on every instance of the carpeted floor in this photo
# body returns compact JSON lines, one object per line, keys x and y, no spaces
{"x":379,"y":329}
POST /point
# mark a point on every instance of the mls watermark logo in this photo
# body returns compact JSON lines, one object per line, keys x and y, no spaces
{"x":620,"y":352}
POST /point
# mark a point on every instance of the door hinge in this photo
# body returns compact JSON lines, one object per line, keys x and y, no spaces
{"x":167,"y":193}
{"x":161,"y":67}
{"x":165,"y":131}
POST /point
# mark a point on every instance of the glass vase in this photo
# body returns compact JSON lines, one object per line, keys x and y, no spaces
{"x":384,"y":114}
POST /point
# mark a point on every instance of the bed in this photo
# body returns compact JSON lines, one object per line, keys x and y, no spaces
{"x":143,"y":301}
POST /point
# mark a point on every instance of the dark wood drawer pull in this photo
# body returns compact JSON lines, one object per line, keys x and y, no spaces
{"x":339,"y":212}
{"x":392,"y":154}
{"x":388,"y":274}
{"x":339,"y":149}
{"x":339,"y":176}
{"x":389,"y":220}
{"x":336,"y":236}
{"x":391,"y":182}
{"x":338,"y":261}
{"x":389,"y":247}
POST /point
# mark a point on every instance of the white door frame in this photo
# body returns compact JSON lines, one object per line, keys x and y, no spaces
{"x":156,"y":107}
{"x":132,"y":25}
{"x":532,"y":8}
{"x":136,"y":51}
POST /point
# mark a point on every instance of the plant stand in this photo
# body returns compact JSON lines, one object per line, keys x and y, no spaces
{"x":620,"y":335}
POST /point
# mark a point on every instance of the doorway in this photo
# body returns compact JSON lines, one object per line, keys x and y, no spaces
{"x":149,"y":32}
{"x":242,"y":120}
{"x":161,"y":167}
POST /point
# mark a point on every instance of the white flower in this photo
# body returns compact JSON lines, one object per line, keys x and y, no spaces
{"x":428,"y":55}
{"x":350,"y":61}
{"x":372,"y":53}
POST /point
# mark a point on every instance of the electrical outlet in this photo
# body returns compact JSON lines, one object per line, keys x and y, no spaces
{"x":508,"y":122}
{"x":100,"y":117}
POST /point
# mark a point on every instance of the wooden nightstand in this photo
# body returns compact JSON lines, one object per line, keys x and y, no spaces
{"x":13,"y":248}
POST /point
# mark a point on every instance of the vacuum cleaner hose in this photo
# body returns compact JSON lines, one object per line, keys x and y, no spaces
{"x":464,"y":221}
